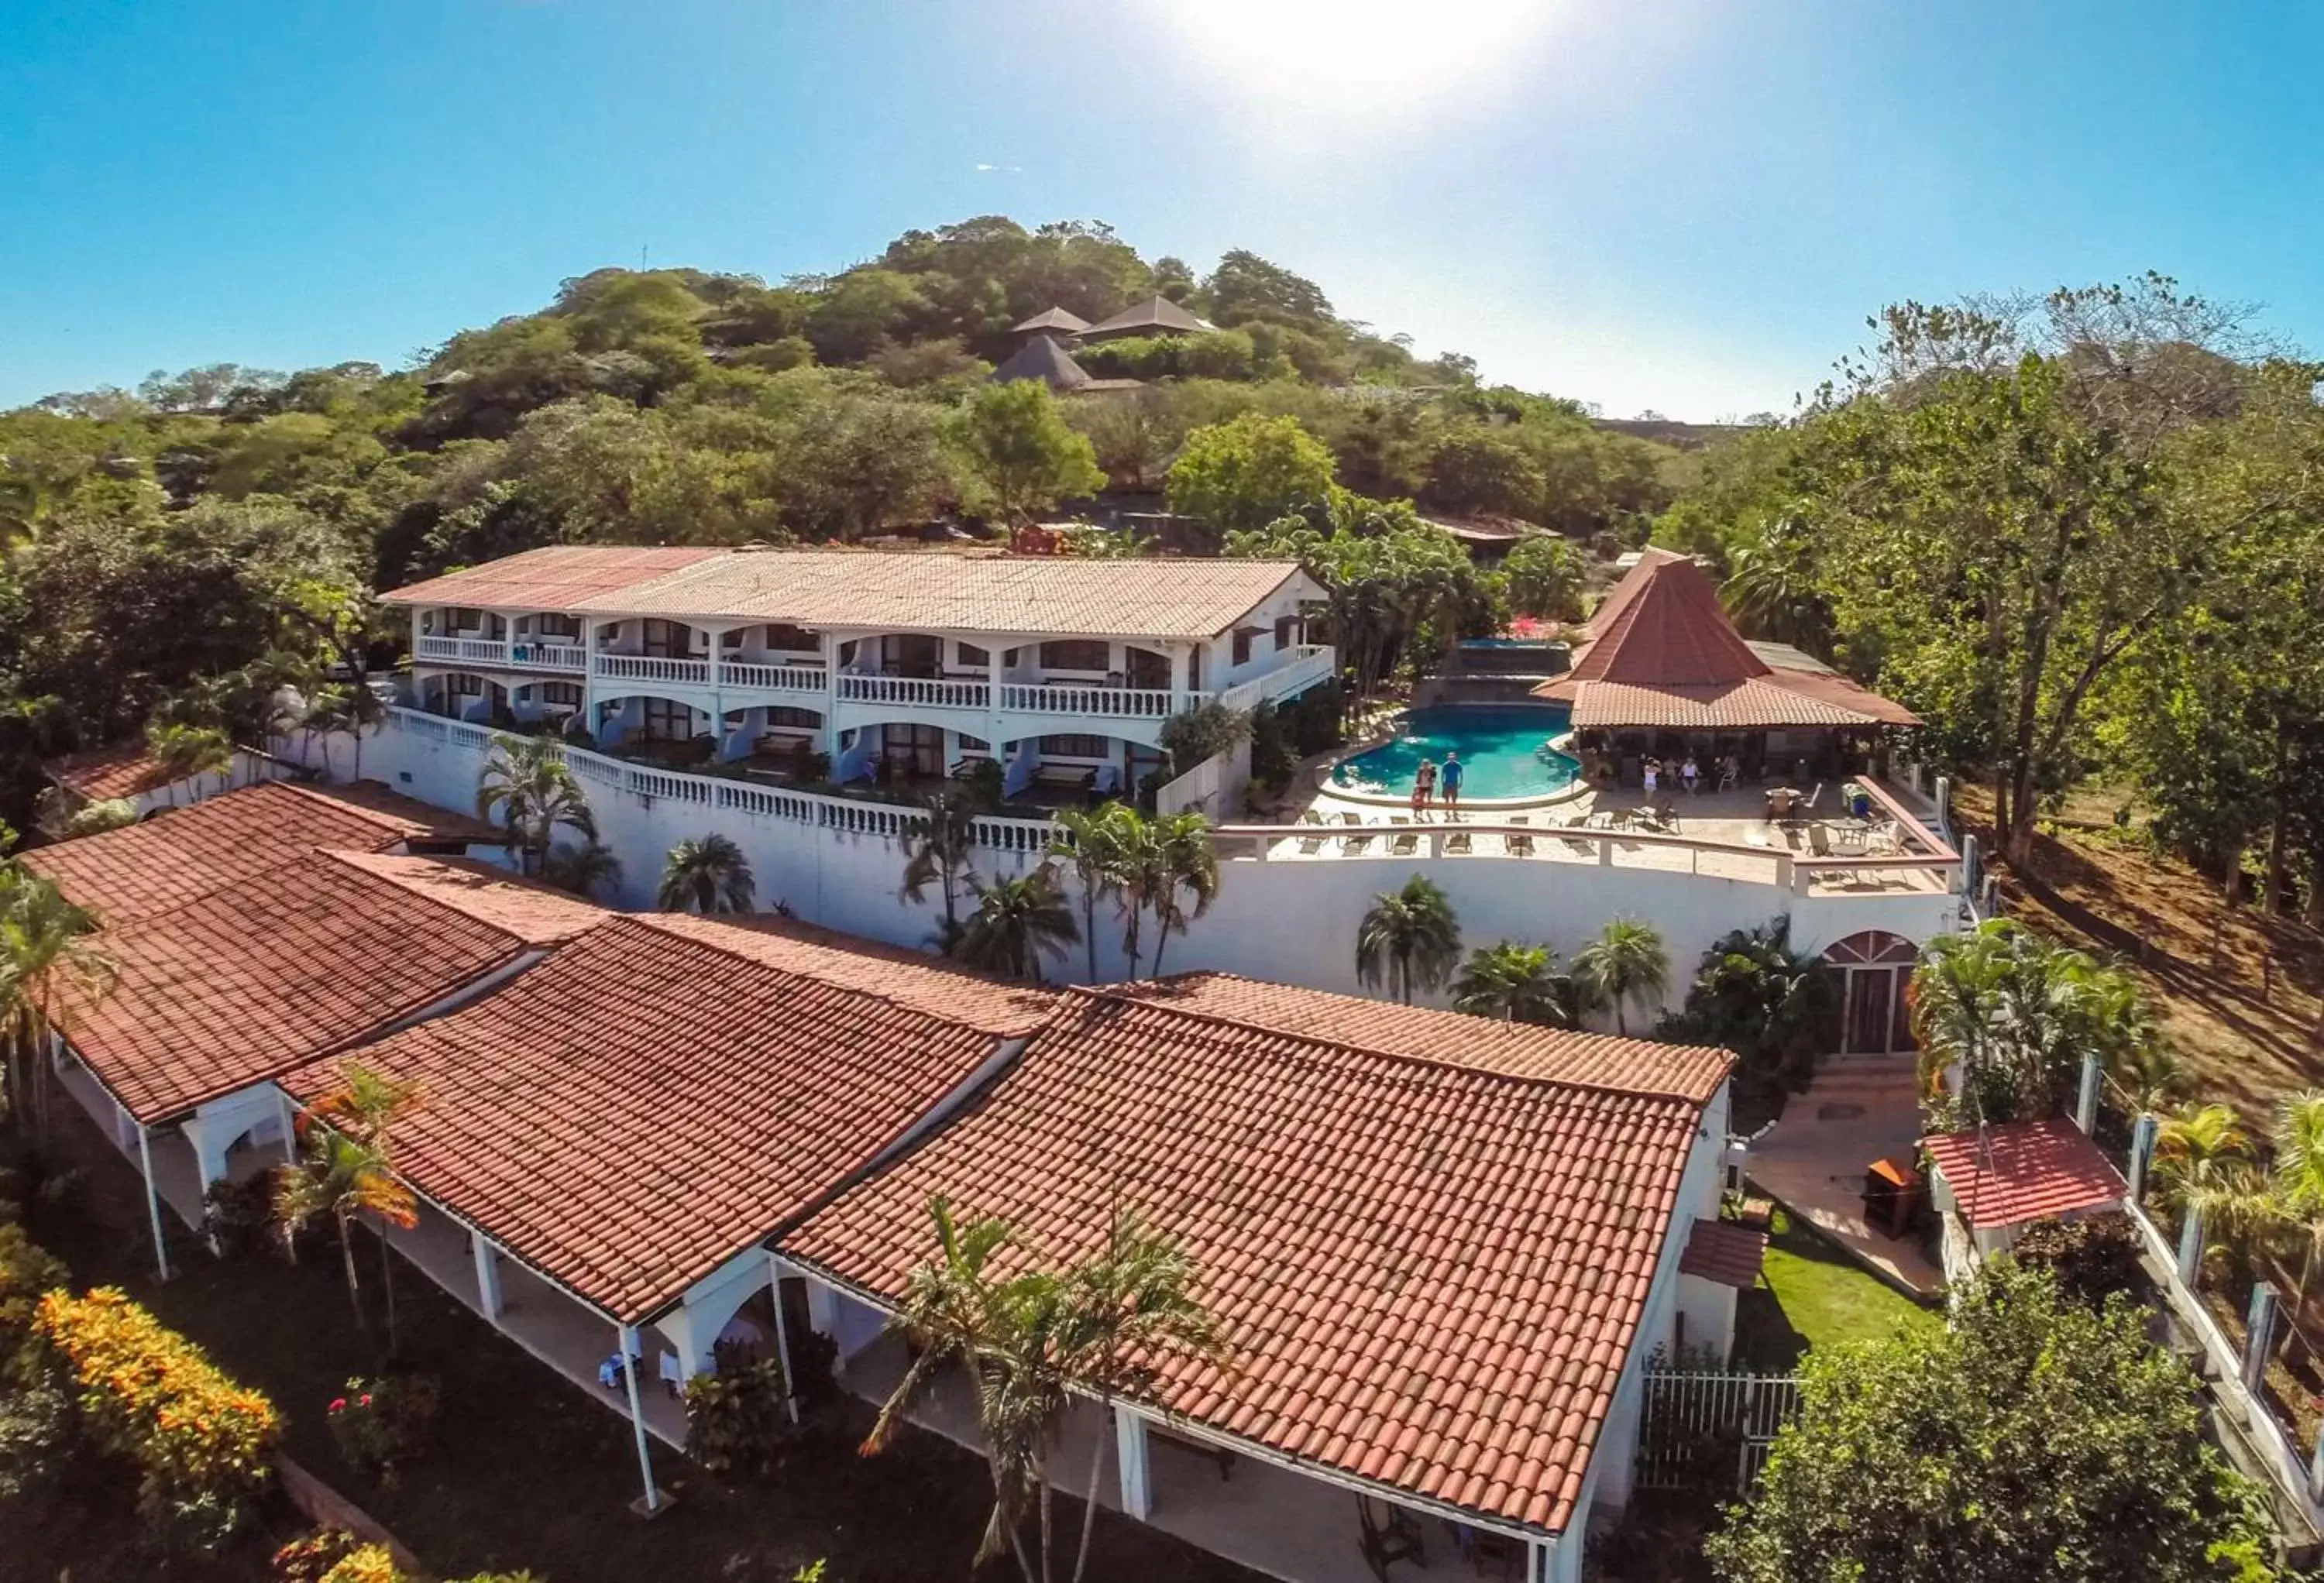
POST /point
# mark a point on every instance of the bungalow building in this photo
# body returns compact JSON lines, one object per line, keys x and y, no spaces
{"x":244,"y":946}
{"x":129,"y":772}
{"x":1989,"y":1183}
{"x":1442,"y":1251}
{"x":907,"y":667}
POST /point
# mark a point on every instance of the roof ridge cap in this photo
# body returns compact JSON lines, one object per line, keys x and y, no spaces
{"x":1110,"y":992}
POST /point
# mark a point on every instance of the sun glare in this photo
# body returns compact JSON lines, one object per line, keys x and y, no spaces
{"x":1367,"y":56}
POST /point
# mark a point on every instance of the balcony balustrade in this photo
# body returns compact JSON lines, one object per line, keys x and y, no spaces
{"x":924,"y":691}
{"x":467,"y":650}
{"x":653,"y":668}
{"x":1089,"y":698}
{"x":565,"y":657}
{"x":776,"y":678}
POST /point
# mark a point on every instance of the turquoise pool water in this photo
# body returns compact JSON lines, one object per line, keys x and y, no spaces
{"x":1501,"y":746}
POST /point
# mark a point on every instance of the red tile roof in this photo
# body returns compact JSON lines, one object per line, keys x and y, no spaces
{"x":535,"y":914}
{"x":551,"y":579}
{"x":912,"y":979}
{"x":100,"y":774}
{"x":1663,"y":653}
{"x":1724,"y":1252}
{"x":276,"y":967}
{"x":2023,"y":1170}
{"x":646,"y":1104}
{"x":1638,"y":1067}
{"x":928,"y":591}
{"x":1429,"y":1275}
{"x":179,"y":855}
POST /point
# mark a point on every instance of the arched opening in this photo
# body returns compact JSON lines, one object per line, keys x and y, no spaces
{"x":1873,"y":969}
{"x":662,"y":730}
{"x":463,"y":695}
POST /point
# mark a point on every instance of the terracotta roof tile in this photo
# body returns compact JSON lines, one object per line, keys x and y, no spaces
{"x":1689,"y":1072}
{"x":1663,"y":653}
{"x":930,"y":591}
{"x":912,"y":979}
{"x":535,"y":914}
{"x":179,"y":855}
{"x":2023,"y":1170}
{"x":1430,"y":1275}
{"x":552,"y":578}
{"x":122,"y":770}
{"x":636,"y":1111}
{"x":1724,"y":1252}
{"x":274,"y":968}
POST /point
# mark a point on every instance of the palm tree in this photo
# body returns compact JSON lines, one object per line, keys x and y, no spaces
{"x":2298,"y":1177}
{"x":958,"y":1313}
{"x":941,"y":842}
{"x":1125,"y":1307}
{"x":1772,"y":592}
{"x":2203,"y":1165}
{"x":708,"y":875}
{"x":528,"y":781}
{"x":1409,"y":939}
{"x":1753,"y":994}
{"x":1516,"y":984}
{"x":340,"y":1177}
{"x":185,"y":751}
{"x":1180,"y":862}
{"x":52,"y":968}
{"x":338,"y":709}
{"x":1091,"y":838}
{"x":584,"y":870}
{"x":1626,"y":960}
{"x":1017,"y":922}
{"x":365,"y":1107}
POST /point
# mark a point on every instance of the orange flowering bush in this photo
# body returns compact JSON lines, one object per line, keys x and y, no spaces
{"x":370,"y":1564}
{"x":201,"y":1444}
{"x":26,"y":1273}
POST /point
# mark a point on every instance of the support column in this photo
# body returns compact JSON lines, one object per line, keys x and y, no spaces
{"x":2142,"y":1150}
{"x":2086,"y":1102}
{"x":2259,"y":1335}
{"x":626,"y":1346}
{"x":2190,"y":1248}
{"x":488,"y":1275}
{"x":783,"y":1335}
{"x":152,"y":1200}
{"x":1129,"y":1459}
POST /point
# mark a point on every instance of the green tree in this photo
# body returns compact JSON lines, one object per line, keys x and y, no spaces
{"x":1753,"y":994}
{"x":1516,"y":984}
{"x":1016,"y":924}
{"x":1546,"y":577}
{"x":1178,"y":869}
{"x":53,"y":968}
{"x":2029,"y":1437}
{"x":185,"y":752}
{"x":2296,"y":1171}
{"x":1410,"y":940}
{"x":343,"y":1173}
{"x":1625,"y":961}
{"x":529,"y":784}
{"x":1020,"y":447}
{"x":1096,"y":843}
{"x":585,"y":867}
{"x":1244,"y":474}
{"x":1474,"y":468}
{"x":706,"y":874}
{"x":940,"y":845}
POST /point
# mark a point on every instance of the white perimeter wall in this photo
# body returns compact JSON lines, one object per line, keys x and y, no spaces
{"x":1292,"y":921}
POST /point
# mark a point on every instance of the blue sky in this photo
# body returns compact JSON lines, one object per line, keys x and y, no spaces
{"x":1689,"y":207}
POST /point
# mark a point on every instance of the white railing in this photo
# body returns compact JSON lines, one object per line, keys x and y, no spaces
{"x":1088,"y":698}
{"x":475,"y":650}
{"x":924,"y":691}
{"x":652,"y":668}
{"x":1312,"y":664}
{"x":845,"y":816}
{"x":549,"y":656}
{"x":779,"y":678}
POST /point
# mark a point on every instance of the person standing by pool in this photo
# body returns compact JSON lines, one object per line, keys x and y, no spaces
{"x":1450,"y":779}
{"x":1652,"y":773}
{"x":1423,"y":786}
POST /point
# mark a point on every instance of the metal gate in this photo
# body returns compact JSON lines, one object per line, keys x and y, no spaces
{"x":1701,"y":1431}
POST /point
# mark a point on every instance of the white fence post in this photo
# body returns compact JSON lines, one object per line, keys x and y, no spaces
{"x":2086,"y":1103}
{"x":2259,"y":1331}
{"x":2190,"y":1248}
{"x":2141,"y":1149}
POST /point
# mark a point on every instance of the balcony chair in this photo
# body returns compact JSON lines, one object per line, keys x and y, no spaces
{"x":1404,"y":842}
{"x":1388,"y":1538}
{"x":1309,"y":845}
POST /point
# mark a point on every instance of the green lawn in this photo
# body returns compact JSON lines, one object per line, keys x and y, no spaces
{"x":1814,"y":1295}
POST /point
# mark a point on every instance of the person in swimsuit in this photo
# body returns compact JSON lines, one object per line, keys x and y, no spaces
{"x":1423,"y":786}
{"x":1449,"y":777}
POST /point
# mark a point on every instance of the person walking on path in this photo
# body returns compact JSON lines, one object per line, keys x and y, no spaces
{"x":1424,"y":787}
{"x":1449,"y":777}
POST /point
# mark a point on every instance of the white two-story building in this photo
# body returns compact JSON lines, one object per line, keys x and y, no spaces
{"x":1062,"y":670}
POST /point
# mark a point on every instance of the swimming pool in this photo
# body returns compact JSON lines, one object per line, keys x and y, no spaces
{"x":1501,"y":746}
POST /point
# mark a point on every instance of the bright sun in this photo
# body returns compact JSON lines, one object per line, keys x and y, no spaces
{"x":1366,"y":56}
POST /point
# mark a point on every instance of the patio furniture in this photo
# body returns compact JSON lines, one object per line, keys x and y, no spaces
{"x":1388,"y":1537}
{"x":1404,"y":842}
{"x":1820,"y":840}
{"x":1457,"y":843}
{"x":1495,"y":1555}
{"x":1781,"y":801}
{"x":673,"y":1377}
{"x":1358,"y":838}
{"x":1519,"y":843}
{"x":1309,"y":845}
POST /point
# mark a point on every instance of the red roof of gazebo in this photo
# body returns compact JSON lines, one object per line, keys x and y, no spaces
{"x":1661,"y":652}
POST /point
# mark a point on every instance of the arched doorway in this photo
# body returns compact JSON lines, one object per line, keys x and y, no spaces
{"x":1874,"y":968}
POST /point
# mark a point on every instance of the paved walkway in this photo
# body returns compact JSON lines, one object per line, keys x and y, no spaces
{"x":1857,"y":1111}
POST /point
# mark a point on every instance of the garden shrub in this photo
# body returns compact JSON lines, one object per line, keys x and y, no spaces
{"x":735,"y":1418}
{"x":381,"y":1425}
{"x":369,"y":1563}
{"x":26,"y":1271}
{"x":310,"y":1560}
{"x":239,"y":1216}
{"x":2091,"y":1258}
{"x":202,"y":1445}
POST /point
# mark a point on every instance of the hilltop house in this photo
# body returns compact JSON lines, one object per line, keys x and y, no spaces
{"x":904,"y":667}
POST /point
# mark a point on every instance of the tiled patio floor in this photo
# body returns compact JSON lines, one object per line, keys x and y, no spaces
{"x":1858,"y":1109}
